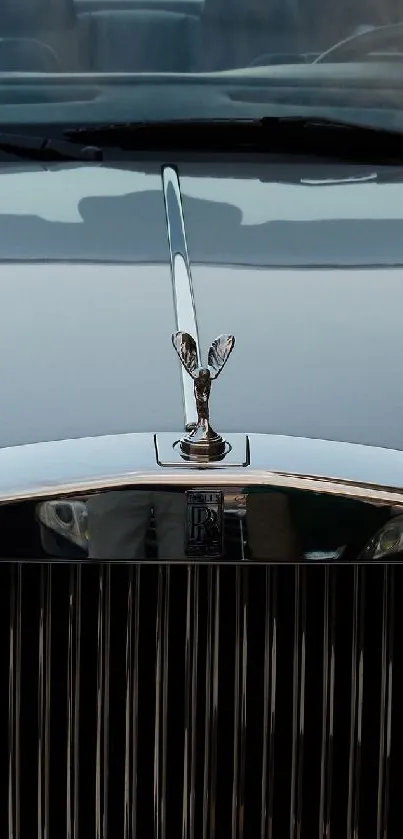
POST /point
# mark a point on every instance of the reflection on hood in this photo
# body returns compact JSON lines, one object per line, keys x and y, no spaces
{"x":81,"y":212}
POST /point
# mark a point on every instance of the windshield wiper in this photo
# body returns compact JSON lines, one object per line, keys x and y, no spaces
{"x":321,"y":136}
{"x":47,"y":149}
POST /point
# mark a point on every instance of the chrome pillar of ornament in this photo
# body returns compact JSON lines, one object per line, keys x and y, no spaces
{"x":203,"y":444}
{"x":184,"y":304}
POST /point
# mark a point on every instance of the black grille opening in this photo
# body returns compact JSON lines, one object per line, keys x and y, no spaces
{"x":200,"y":701}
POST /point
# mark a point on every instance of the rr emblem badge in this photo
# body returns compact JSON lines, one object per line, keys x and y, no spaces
{"x":204,"y":524}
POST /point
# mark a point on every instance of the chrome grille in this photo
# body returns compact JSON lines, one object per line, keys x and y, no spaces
{"x":201,"y":701}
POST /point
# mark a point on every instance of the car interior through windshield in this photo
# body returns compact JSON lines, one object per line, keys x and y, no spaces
{"x":183,"y":36}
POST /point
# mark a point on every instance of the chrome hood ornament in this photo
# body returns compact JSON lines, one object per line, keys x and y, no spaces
{"x":203,"y":443}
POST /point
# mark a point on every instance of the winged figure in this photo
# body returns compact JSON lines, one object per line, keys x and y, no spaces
{"x":217,"y":357}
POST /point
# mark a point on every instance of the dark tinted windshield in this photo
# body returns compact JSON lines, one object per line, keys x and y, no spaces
{"x":164,"y":49}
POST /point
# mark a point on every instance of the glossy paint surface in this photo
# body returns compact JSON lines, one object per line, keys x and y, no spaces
{"x":86,"y":351}
{"x":305,"y":270}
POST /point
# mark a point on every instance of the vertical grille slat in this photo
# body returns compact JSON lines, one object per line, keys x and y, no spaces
{"x":14,"y":704}
{"x":357,"y":690}
{"x":131,"y":704}
{"x":202,"y":700}
{"x":188,"y":740}
{"x":102,"y":703}
{"x":235,"y":779}
{"x":240,"y":719}
{"x":195,"y":647}
{"x":329,"y":663}
{"x":386,"y":702}
{"x":207,"y":716}
{"x":44,"y":693}
{"x":161,"y":702}
{"x":211,"y":703}
{"x":190,"y":710}
{"x":73,"y":702}
{"x":269,"y":704}
{"x":298,"y":715}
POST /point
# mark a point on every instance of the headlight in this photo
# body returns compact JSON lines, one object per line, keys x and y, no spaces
{"x":388,"y":541}
{"x":66,"y":518}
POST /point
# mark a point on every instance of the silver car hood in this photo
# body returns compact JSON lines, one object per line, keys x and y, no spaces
{"x":304,"y":270}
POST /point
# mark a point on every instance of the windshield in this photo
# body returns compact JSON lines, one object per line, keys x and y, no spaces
{"x":93,"y":61}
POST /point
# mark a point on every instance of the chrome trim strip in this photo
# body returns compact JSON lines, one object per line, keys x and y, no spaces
{"x":185,"y":312}
{"x":14,"y":703}
{"x":43,"y":470}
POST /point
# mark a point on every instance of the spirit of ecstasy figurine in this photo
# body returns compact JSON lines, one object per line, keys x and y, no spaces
{"x":203,"y":443}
